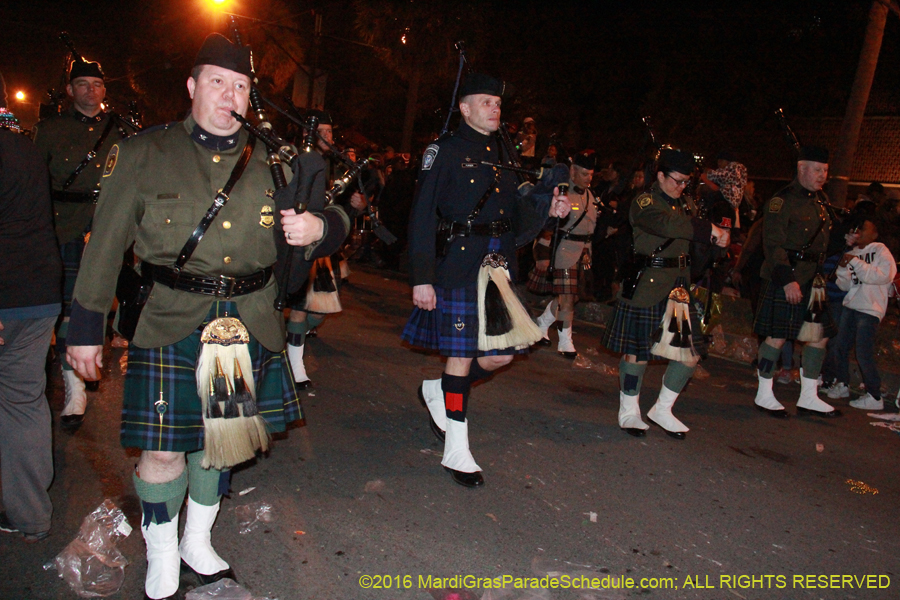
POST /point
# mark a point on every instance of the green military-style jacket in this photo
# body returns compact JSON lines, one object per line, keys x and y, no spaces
{"x":64,"y":141}
{"x":655,"y":218}
{"x":156,"y":188}
{"x":792,"y":218}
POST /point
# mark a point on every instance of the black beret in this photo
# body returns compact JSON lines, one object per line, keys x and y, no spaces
{"x":219,"y":51}
{"x":814,"y":154}
{"x":586,"y":160}
{"x":323,"y":117}
{"x":676,"y":160}
{"x":83,"y":68}
{"x":478,"y":83}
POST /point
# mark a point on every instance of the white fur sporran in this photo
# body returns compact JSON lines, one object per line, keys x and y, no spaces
{"x":233,"y":427}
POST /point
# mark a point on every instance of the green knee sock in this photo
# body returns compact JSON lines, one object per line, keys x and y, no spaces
{"x":161,"y":502}
{"x":812,"y":361}
{"x":631,"y":375}
{"x":677,"y":375}
{"x":296,"y":332}
{"x":206,"y":485}
{"x":766,"y":358}
{"x":314,"y":319}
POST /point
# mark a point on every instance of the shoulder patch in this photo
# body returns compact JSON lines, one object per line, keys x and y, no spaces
{"x":775,"y":204}
{"x":111,"y":159}
{"x":431,"y":153}
{"x":645,"y":200}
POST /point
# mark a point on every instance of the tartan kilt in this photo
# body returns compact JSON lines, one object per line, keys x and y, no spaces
{"x":565,"y":281}
{"x":776,"y":318}
{"x":631,"y":329}
{"x":538,"y":283}
{"x":452,"y":327}
{"x":71,"y":253}
{"x":168,"y":373}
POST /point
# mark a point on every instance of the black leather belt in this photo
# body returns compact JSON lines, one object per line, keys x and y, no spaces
{"x":658,"y":262}
{"x":803,"y":256}
{"x":575,"y":237}
{"x":221,"y":286}
{"x":493,"y":229}
{"x":75,"y":197}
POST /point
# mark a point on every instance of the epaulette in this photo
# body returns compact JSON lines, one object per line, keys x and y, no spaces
{"x":146,"y":130}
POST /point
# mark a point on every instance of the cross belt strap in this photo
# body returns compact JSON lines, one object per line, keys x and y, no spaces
{"x":218,"y":202}
{"x":90,"y":156}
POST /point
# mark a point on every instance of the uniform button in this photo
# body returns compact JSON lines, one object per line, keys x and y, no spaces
{"x":489,"y":148}
{"x":227,"y":260}
{"x":168,"y":221}
{"x":498,"y":190}
{"x":471,"y":181}
{"x":216,"y":158}
{"x":501,"y":211}
{"x":463,"y":248}
{"x":651,"y":280}
{"x":90,"y":128}
{"x":226,"y":225}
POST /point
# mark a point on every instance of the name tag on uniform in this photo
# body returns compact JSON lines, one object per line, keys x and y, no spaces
{"x":168,"y":196}
{"x":469,"y":165}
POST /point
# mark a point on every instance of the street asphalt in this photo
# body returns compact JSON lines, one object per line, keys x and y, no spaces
{"x":746,"y":507}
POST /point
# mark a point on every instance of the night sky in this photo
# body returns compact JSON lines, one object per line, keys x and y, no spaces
{"x":585,"y":70}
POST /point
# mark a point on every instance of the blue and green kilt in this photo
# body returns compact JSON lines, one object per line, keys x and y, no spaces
{"x":71,"y":253}
{"x":452,"y":327}
{"x":631,"y":329}
{"x":777,"y":318}
{"x":167,"y":374}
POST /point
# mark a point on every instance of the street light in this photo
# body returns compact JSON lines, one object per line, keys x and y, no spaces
{"x":20,"y":95}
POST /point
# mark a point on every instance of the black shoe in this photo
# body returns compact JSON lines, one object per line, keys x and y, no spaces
{"x":567,"y":354}
{"x":208,"y":579}
{"x":71,"y":422}
{"x":437,"y":431}
{"x":92,"y":386}
{"x":314,"y":332}
{"x":815,"y":413}
{"x":635,"y":431}
{"x":303,"y":385}
{"x":778,"y":413}
{"x":543,"y":342}
{"x":467,"y":479}
{"x":678,"y":435}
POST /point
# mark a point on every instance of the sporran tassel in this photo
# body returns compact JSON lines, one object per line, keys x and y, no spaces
{"x":677,"y":343}
{"x":498,"y":320}
{"x":522,"y":332}
{"x":321,"y":289}
{"x":813,"y":329}
{"x":232,"y":436}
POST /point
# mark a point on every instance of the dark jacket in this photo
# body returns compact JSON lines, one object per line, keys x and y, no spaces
{"x":30,"y":266}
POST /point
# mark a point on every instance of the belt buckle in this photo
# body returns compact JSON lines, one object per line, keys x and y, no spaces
{"x":226,"y":283}
{"x":682,"y":261}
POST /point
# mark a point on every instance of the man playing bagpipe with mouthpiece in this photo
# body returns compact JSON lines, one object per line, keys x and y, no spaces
{"x":207,"y":376}
{"x":466,"y":222}
{"x":652,"y":317}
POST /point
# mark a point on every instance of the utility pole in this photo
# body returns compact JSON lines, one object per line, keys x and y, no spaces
{"x":842,"y":163}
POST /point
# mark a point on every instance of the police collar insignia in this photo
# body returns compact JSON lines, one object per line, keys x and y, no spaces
{"x":212,"y":141}
{"x":86,"y":119}
{"x":431,"y":153}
